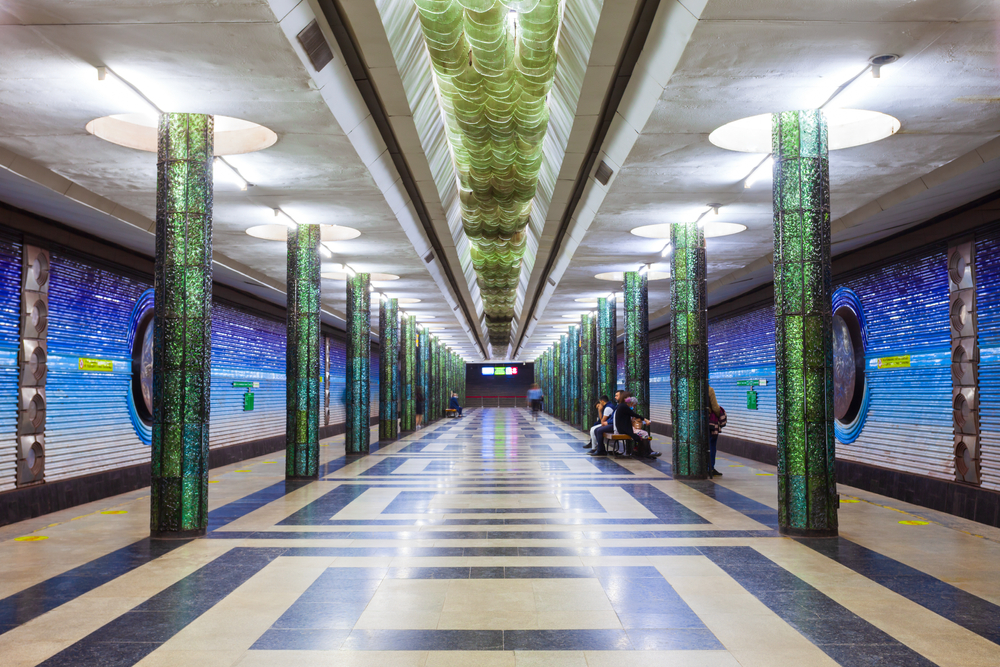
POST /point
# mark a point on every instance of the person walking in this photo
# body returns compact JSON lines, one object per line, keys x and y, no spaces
{"x":420,"y":406}
{"x":535,"y":398}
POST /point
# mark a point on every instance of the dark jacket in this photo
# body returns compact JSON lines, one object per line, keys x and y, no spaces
{"x":453,"y":403}
{"x":623,"y":420}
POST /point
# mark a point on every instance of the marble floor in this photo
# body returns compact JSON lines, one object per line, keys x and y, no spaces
{"x":494,"y":539}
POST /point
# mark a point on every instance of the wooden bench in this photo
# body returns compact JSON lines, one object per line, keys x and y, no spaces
{"x":614,"y":438}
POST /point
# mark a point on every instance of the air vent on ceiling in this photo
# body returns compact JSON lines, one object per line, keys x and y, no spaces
{"x":604,"y":173}
{"x":312,"y":40}
{"x":429,"y":257}
{"x":552,"y":282}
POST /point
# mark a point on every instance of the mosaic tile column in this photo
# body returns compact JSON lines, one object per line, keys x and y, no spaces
{"x":388,"y":368}
{"x":573,"y":371}
{"x":408,"y":375}
{"x":182,"y":350}
{"x":359,"y":323}
{"x":302,"y":354}
{"x":636,"y":289}
{"x":807,"y":490}
{"x":588,"y":375}
{"x":556,"y":379}
{"x":607,"y":347}
{"x":435,"y":379}
{"x":424,"y":369}
{"x":689,"y":352}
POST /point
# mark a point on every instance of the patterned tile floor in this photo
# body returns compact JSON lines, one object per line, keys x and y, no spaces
{"x":494,"y":540}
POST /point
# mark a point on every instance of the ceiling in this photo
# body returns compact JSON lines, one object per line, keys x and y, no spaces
{"x":703,"y":64}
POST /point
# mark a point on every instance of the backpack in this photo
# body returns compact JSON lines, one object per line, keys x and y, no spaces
{"x":716,"y":424}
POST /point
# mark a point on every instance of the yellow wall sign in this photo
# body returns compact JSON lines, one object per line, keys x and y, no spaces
{"x":102,"y":365}
{"x":893,"y":362}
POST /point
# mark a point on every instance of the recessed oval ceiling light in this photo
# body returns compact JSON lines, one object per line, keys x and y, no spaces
{"x":421,"y":318}
{"x":407,"y":299}
{"x":233,"y":136}
{"x":847,"y":128}
{"x":572,"y":317}
{"x":587,"y":299}
{"x":620,"y":275}
{"x":327,"y":233}
{"x":712,"y":230}
{"x":375,"y":277}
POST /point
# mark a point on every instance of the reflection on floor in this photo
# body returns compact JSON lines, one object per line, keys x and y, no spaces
{"x":496,"y":534}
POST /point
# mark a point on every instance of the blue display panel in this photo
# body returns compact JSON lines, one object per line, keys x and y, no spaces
{"x":10,"y":309}
{"x":988,"y":306}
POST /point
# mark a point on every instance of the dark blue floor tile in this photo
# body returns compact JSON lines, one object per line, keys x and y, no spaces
{"x":486,"y":573}
{"x":100,"y":655}
{"x":566,"y":572}
{"x":677,"y":639}
{"x":424,"y":640}
{"x":277,"y":639}
{"x":320,"y":616}
{"x":652,"y":620}
{"x":566,"y":640}
{"x":428,"y":573}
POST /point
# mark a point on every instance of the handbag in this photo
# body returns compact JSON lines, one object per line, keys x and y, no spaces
{"x":716,"y":423}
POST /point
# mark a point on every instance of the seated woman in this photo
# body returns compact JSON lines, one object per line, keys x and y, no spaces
{"x":623,"y":425}
{"x":453,"y":404}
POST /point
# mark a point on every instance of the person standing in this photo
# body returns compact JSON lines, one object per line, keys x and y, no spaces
{"x":716,"y":420}
{"x":420,"y":406}
{"x":535,"y":400}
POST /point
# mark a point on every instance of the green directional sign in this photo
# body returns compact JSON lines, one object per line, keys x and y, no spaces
{"x":751,"y":383}
{"x":248,"y":401}
{"x":751,"y":400}
{"x":243,"y":384}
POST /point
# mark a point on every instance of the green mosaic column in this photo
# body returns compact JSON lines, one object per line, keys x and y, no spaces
{"x":424,"y":369}
{"x":359,"y":323}
{"x":689,"y":352}
{"x":408,"y":375}
{"x":182,"y":349}
{"x":573,"y":370}
{"x":435,"y":379}
{"x":607,"y":348}
{"x":803,"y":339}
{"x":637,"y":338}
{"x":588,"y":383}
{"x":461,"y":381}
{"x":556,"y":379}
{"x":551,"y":394}
{"x":302,"y":354}
{"x":388,"y":368}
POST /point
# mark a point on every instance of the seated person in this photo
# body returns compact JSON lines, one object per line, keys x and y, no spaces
{"x":606,"y":426}
{"x":601,"y":418}
{"x":623,"y":417}
{"x":453,"y":404}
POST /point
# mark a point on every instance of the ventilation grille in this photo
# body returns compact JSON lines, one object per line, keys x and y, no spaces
{"x":312,"y":40}
{"x":604,"y":173}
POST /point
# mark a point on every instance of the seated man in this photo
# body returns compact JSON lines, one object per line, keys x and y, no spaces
{"x":623,"y":417}
{"x":601,"y":404}
{"x":453,"y":404}
{"x":606,"y":426}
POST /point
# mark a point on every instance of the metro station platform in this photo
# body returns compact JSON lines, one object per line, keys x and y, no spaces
{"x":494,"y":540}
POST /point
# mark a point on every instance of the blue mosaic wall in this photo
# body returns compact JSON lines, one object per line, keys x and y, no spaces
{"x":909,"y":425}
{"x":88,"y":426}
{"x":659,"y":381}
{"x":988,"y":306}
{"x":10,"y":308}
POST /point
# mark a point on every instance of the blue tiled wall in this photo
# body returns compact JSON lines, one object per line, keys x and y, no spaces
{"x":988,"y":306}
{"x":10,"y":308}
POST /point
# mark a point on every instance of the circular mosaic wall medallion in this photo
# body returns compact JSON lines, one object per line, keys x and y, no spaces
{"x":851,"y":396}
{"x":140,"y":344}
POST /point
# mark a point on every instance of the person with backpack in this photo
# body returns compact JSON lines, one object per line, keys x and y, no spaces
{"x":716,"y":421}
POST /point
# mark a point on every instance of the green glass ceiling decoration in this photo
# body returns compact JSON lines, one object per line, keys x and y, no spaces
{"x":494,"y":63}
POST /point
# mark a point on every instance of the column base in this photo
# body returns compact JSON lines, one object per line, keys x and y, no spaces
{"x":788,"y":531}
{"x":301,"y":478}
{"x":693,"y":478}
{"x":177,"y":534}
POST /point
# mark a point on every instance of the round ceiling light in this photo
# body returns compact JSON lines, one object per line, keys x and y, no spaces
{"x":712,"y":230}
{"x":327,"y":233}
{"x":619,"y":276}
{"x":375,"y":277}
{"x":847,"y":128}
{"x":233,"y":136}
